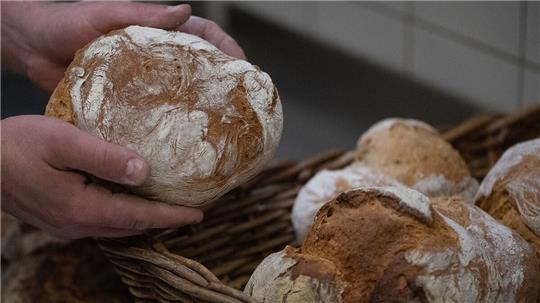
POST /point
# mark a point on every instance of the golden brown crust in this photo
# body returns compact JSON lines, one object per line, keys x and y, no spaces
{"x":369,"y":223}
{"x":509,"y":191}
{"x":59,"y":105}
{"x":387,"y":244}
{"x":384,"y":252}
{"x":502,"y":208}
{"x":410,"y":153}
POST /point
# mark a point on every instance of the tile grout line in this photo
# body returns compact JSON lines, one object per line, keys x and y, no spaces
{"x":521,"y":51}
{"x":408,"y":39}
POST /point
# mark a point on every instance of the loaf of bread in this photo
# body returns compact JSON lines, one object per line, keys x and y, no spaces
{"x":415,"y":154}
{"x":325,"y":186}
{"x":388,"y":244}
{"x":205,"y":121}
{"x":393,"y":152}
{"x":511,"y":191}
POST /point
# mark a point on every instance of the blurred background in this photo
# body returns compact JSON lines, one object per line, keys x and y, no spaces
{"x":341,"y":66}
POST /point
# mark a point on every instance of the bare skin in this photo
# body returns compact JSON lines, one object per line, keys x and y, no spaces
{"x":43,"y":158}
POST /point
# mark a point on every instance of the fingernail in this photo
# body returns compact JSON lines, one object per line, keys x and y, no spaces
{"x":134,"y":171}
{"x":199,"y":218}
{"x":177,"y":7}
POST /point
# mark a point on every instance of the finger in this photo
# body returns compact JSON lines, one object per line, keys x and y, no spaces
{"x":211,"y":32}
{"x":107,"y":16}
{"x":46,"y":81}
{"x":75,"y":149}
{"x":99,"y":207}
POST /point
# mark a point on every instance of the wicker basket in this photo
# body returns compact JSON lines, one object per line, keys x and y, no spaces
{"x":254,"y":220}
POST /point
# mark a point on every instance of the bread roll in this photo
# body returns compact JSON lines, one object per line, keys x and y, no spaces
{"x":390,"y":244}
{"x":205,"y":121}
{"x":511,"y":191}
{"x":415,"y":154}
{"x":325,"y":186}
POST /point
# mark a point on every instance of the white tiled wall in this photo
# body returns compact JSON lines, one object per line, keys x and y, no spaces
{"x":531,"y":92}
{"x":495,"y":24}
{"x":353,"y":31}
{"x":465,"y":71}
{"x":297,"y":16}
{"x":533,"y":32}
{"x":471,"y":49}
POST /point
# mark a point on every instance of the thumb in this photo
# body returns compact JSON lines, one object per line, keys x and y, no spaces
{"x":78,"y":150}
{"x":107,"y":16}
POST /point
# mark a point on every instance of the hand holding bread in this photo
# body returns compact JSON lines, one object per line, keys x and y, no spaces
{"x":55,"y":193}
{"x":41,"y":158}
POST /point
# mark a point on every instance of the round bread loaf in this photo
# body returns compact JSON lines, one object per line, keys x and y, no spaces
{"x":204,"y":121}
{"x":415,"y":154}
{"x":391,"y":151}
{"x":325,"y":186}
{"x":392,"y":244}
{"x":511,"y":191}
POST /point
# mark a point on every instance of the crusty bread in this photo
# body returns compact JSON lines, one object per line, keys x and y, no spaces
{"x":205,"y":121}
{"x":393,"y":152}
{"x":511,"y":191}
{"x":392,"y":244}
{"x":325,"y":186}
{"x":415,"y":154}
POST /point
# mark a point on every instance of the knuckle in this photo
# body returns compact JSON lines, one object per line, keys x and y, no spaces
{"x":74,"y":210}
{"x":210,"y":27}
{"x":57,"y":217}
{"x":100,"y":157}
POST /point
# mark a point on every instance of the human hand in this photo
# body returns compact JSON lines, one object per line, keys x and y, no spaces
{"x":41,"y":38}
{"x":42,"y":185}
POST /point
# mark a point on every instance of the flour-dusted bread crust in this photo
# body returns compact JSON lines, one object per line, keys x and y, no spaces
{"x":393,"y":152}
{"x":415,"y":154}
{"x":511,"y":191}
{"x":205,"y":121}
{"x":288,"y":276}
{"x":325,"y":186}
{"x":387,"y":244}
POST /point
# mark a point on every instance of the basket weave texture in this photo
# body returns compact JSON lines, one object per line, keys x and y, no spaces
{"x":213,"y":260}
